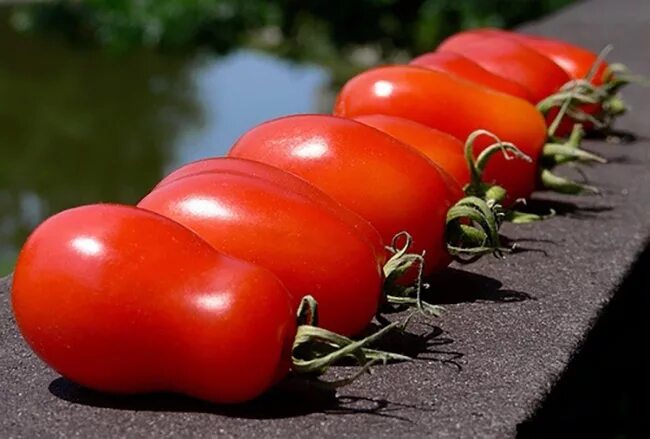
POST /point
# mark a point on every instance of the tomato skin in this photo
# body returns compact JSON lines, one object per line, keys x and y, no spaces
{"x":307,"y":245}
{"x":463,"y":67}
{"x":457,"y":107}
{"x":287,"y":181}
{"x":510,"y":59}
{"x":388,"y":183}
{"x":121,"y":300}
{"x":576,"y":61}
{"x":441,"y":148}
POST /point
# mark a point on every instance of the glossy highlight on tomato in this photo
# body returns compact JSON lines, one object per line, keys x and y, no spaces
{"x":122,"y":300}
{"x":283,"y":179}
{"x":457,"y":107}
{"x":388,"y":183}
{"x":307,"y":243}
{"x":463,"y":67}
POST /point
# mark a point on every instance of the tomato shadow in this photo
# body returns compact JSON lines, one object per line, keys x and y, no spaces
{"x":430,"y":345}
{"x":615,"y":136}
{"x":275,"y":404}
{"x":454,"y":285}
{"x":624,"y":160}
{"x":290,"y":399}
{"x":542,"y":206}
{"x":522,"y":245}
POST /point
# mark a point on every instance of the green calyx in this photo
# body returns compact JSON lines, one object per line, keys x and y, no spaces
{"x":562,"y":185}
{"x":472,"y":229}
{"x":477,"y":187}
{"x":517,"y":217}
{"x":555,"y":153}
{"x":618,"y":75}
{"x":575,"y":93}
{"x":316,"y":349}
{"x":572,"y":95}
{"x":489,"y":192}
{"x":582,"y":91}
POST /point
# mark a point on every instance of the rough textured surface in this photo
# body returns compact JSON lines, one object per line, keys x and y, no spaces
{"x":511,"y":329}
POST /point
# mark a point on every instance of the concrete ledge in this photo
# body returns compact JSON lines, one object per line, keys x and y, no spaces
{"x":507,"y":354}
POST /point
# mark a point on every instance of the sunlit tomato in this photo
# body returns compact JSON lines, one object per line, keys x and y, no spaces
{"x":122,"y":300}
{"x":287,"y":181}
{"x":465,"y":68}
{"x":509,"y":59}
{"x":577,"y":62}
{"x":442,"y":148}
{"x":390,"y":184}
{"x":307,"y":244}
{"x":457,"y":107}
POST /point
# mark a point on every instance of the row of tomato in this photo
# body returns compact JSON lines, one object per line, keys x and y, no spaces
{"x":234,"y":271}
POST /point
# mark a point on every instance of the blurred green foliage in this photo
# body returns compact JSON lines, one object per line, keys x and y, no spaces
{"x":332,"y":33}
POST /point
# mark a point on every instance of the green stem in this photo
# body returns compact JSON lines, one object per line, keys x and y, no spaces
{"x":617,"y":75}
{"x":558,"y":153}
{"x":564,"y":185}
{"x":518,"y":217}
{"x":316,"y":349}
{"x":470,"y":235}
{"x":554,"y":153}
{"x":396,"y":295}
{"x":583,"y":91}
{"x":477,"y":187}
{"x":575,"y":93}
{"x":402,"y":260}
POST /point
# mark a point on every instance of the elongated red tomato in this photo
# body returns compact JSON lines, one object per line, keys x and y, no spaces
{"x":307,"y":244}
{"x":122,"y":300}
{"x":442,"y":148}
{"x":390,"y":184}
{"x":576,"y":61}
{"x":465,"y":68}
{"x":509,"y":59}
{"x":288,"y":181}
{"x":457,"y":107}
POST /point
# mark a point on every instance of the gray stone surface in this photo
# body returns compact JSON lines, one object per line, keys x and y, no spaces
{"x":511,"y":328}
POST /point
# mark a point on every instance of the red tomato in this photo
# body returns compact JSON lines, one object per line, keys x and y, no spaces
{"x":509,"y":59}
{"x":388,"y":183}
{"x":443,"y":149}
{"x":287,"y":181}
{"x":306,"y":243}
{"x":457,"y":107}
{"x":465,"y":68}
{"x":576,"y":61}
{"x":119,"y":299}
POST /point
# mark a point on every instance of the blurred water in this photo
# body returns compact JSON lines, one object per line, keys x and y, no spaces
{"x":242,"y":90}
{"x":79,"y":126}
